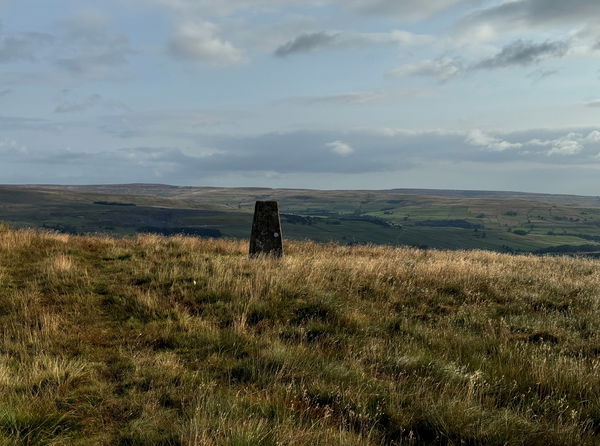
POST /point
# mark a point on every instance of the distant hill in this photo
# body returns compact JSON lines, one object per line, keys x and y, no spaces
{"x":179,"y":191}
{"x":499,"y":221}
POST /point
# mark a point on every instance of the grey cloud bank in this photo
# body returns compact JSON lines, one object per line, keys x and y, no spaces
{"x":344,"y":152}
{"x":383,"y":158}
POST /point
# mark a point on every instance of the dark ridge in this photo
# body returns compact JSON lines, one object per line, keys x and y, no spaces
{"x":113,"y":203}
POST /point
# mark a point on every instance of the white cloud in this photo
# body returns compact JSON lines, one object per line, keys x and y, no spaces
{"x":566,"y":147}
{"x":593,"y":137}
{"x":340,"y":147}
{"x":93,"y":27}
{"x":570,"y":144}
{"x":482,"y":139}
{"x":199,"y":42}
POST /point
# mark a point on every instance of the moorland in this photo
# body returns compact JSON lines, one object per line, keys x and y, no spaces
{"x":152,"y":340}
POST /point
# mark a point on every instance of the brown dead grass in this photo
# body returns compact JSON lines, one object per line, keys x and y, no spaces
{"x":182,"y":341}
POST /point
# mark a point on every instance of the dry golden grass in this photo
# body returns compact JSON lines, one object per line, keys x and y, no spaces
{"x":182,"y":341}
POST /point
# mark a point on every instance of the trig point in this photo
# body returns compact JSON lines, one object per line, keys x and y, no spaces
{"x":266,"y":230}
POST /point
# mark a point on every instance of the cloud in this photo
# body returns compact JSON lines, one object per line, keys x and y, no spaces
{"x":571,"y":144}
{"x":204,"y":8}
{"x":524,"y":53}
{"x":481,"y":139}
{"x":539,"y":75}
{"x":307,"y":42}
{"x":12,"y":148}
{"x":19,"y":78}
{"x":340,"y":147}
{"x":566,"y":147}
{"x":355,"y":98}
{"x":92,"y":27}
{"x":303,"y":151}
{"x":593,"y":137}
{"x":23,"y":46}
{"x":444,"y":69}
{"x":177,"y":124}
{"x":518,"y":53}
{"x":11,"y":123}
{"x":92,"y":49}
{"x":310,"y":154}
{"x":594,"y":103}
{"x":522,"y":13}
{"x":88,"y":103}
{"x":320,"y":40}
{"x":407,"y":9}
{"x":199,"y":42}
{"x":104,"y":65}
{"x":574,"y":21}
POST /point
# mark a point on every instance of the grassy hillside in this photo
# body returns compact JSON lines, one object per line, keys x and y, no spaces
{"x":498,"y":221}
{"x":183,"y":341}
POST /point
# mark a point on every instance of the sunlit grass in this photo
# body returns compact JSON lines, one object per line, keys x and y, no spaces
{"x":182,"y":341}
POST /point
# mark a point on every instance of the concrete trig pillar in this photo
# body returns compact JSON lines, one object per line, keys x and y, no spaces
{"x":266,"y":235}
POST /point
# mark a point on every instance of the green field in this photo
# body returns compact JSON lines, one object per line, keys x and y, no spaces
{"x":499,"y":221}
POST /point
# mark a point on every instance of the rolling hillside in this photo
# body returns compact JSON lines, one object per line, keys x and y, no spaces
{"x":498,"y":221}
{"x":185,"y":341}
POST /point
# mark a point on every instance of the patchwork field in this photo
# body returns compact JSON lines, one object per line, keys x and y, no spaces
{"x":156,"y":340}
{"x":498,"y":221}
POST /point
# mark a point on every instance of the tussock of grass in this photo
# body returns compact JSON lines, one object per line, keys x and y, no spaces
{"x":181,"y":341}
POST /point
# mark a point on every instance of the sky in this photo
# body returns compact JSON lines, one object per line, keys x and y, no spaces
{"x":328,"y":94}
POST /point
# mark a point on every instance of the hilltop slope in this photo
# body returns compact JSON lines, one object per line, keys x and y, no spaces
{"x":168,"y":341}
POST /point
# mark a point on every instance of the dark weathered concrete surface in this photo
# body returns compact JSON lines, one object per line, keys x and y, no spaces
{"x":266,"y":235}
